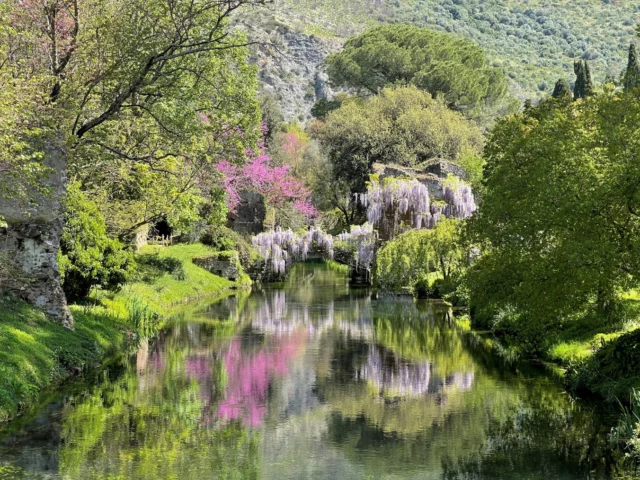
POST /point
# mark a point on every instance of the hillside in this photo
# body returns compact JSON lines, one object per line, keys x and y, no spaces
{"x":535,"y":42}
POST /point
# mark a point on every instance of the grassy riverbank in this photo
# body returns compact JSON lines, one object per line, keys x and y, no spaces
{"x":592,"y":353}
{"x":36,"y":353}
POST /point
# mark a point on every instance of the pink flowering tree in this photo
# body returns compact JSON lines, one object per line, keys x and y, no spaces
{"x":276,"y":183}
{"x":55,"y":27}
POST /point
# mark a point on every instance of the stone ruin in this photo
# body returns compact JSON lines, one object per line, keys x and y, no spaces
{"x":222,"y":264}
{"x":30,"y":240}
{"x":250,"y":215}
{"x":432,"y":175}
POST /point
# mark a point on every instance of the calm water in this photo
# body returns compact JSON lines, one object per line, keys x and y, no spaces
{"x":312,"y":381}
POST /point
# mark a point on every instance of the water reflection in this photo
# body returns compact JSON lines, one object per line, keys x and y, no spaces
{"x":313,"y":380}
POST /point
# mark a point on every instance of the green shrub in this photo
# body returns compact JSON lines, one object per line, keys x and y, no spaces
{"x":528,"y":337}
{"x":224,"y":239}
{"x":422,"y":289}
{"x":425,"y":262}
{"x":152,"y":265}
{"x":403,"y":261}
{"x":612,"y":371}
{"x":88,"y":257}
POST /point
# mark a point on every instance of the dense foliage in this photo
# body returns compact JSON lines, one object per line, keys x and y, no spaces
{"x":141,"y":129}
{"x":403,"y":126}
{"x":436,"y":62}
{"x":425,"y":262}
{"x":223,"y":238}
{"x":534,"y":42}
{"x":559,"y":214}
{"x":404,"y":261}
{"x":88,"y":257}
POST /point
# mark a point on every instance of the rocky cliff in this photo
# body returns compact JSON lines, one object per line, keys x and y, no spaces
{"x":290,"y":68}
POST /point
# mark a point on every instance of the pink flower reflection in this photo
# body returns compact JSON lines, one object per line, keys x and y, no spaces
{"x":199,"y":367}
{"x":249,"y":377}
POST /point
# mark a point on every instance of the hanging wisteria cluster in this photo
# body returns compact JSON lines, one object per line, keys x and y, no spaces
{"x":280,"y":248}
{"x":396,"y":203}
{"x":459,"y":198}
{"x":398,"y":198}
{"x":364,"y":239}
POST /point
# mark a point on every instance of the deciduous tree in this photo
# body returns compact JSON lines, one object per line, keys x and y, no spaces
{"x":401,"y":125}
{"x":560,"y":213}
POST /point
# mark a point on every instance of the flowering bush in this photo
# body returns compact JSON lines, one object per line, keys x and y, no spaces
{"x":275,"y":183}
{"x":280,"y":248}
{"x":363,"y":239}
{"x":397,"y":205}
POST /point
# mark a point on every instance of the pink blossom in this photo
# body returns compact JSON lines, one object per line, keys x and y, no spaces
{"x":54,"y":19}
{"x":275,"y":183}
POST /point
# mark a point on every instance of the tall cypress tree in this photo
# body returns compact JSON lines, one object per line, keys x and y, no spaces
{"x":588,"y":82}
{"x":579,"y":88}
{"x":632,"y":75}
{"x":562,"y":90}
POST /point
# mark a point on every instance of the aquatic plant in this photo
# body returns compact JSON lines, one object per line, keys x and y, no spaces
{"x":141,"y":317}
{"x":626,"y":434}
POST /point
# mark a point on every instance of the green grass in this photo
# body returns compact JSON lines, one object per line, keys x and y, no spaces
{"x":580,"y":339}
{"x":37,"y":353}
{"x":160,"y":290}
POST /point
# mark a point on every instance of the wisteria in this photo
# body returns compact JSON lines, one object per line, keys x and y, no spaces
{"x":395,"y":200}
{"x":391,"y":375}
{"x":280,"y":248}
{"x":396,"y":205}
{"x":459,"y":198}
{"x":364,"y":238}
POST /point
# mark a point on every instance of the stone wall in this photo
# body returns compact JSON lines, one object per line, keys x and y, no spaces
{"x":250,"y":215}
{"x":30,"y":241}
{"x":432,"y":176}
{"x":223,"y":264}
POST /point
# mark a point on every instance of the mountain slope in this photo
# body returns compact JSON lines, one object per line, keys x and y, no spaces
{"x":534,"y":41}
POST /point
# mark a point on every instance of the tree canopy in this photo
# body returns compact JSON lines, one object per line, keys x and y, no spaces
{"x":145,"y":97}
{"x":401,"y":125}
{"x":560,"y":213}
{"x":433,"y":61}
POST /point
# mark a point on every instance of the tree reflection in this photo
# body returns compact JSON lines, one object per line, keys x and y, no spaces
{"x":317,"y":381}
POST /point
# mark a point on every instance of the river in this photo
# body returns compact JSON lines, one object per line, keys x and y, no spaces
{"x":313,"y":380}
